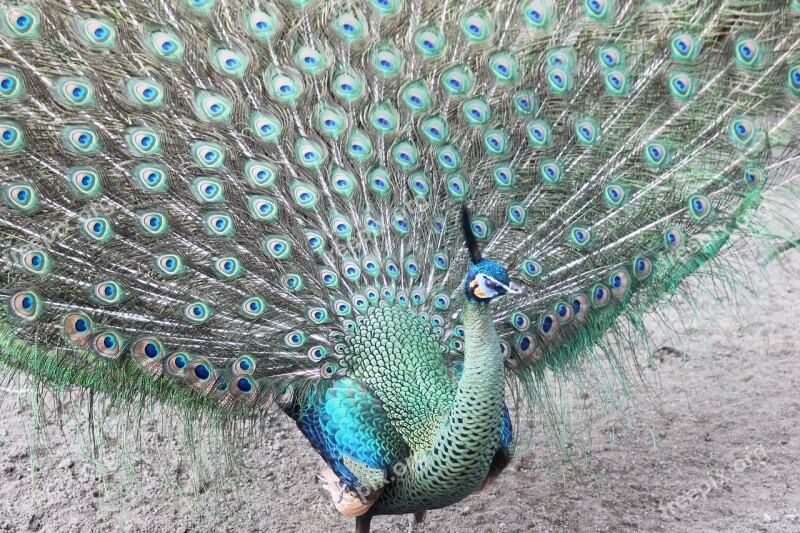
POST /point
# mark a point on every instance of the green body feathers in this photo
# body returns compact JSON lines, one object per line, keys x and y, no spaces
{"x":223,"y":206}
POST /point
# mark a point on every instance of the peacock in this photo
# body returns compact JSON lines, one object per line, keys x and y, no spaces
{"x":378,"y":216}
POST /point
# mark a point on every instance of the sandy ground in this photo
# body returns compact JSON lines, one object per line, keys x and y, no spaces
{"x":716,"y":449}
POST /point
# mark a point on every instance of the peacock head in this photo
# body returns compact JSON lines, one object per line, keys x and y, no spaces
{"x":486,"y":280}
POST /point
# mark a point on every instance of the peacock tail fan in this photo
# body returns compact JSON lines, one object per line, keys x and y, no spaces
{"x":200,"y":199}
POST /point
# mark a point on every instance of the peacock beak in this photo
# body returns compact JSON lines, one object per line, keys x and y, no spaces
{"x":516,"y":290}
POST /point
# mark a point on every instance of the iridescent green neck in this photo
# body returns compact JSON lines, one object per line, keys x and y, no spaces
{"x":468,"y":438}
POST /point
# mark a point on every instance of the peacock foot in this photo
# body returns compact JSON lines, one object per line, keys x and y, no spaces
{"x":346,"y":501}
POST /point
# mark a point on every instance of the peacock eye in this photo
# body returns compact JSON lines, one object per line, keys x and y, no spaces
{"x":490,"y":283}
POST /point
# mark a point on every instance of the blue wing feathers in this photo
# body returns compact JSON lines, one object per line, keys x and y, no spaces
{"x":346,"y":420}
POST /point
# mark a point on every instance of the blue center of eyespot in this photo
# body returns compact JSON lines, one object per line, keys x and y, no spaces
{"x":168,"y":46}
{"x":109,"y":342}
{"x":78,"y":92}
{"x":98,"y":227}
{"x":245,"y":364}
{"x":146,"y":141}
{"x":180,"y":361}
{"x":151,"y":350}
{"x":599,"y":293}
{"x":617,"y":282}
{"x":547,"y":324}
{"x":385,"y":64}
{"x":202,"y":372}
{"x":81,"y":325}
{"x":210,"y":155}
{"x":681,"y":45}
{"x":641,"y":265}
{"x":454,"y":83}
{"x":266,"y":128}
{"x":262,"y":175}
{"x":671,"y":238}
{"x":8,"y":135}
{"x":680,"y":85}
{"x":109,"y":290}
{"x":309,"y":60}
{"x":278,"y":247}
{"x":262,"y":25}
{"x":100,"y":33}
{"x":6,"y":84}
{"x":524,"y":343}
{"x":149,"y":93}
{"x":231,"y":62}
{"x":220,"y":223}
{"x":244,"y":385}
{"x":502,"y":69}
{"x":254,"y":306}
{"x":170,"y":263}
{"x":22,"y":22}
{"x":197,"y":310}
{"x":346,"y":87}
{"x":746,"y":52}
{"x":27,"y":302}
{"x":698,"y":205}
{"x":36,"y":260}
{"x":576,"y":305}
{"x":285,"y":89}
{"x":154,"y":221}
{"x":215,"y":108}
{"x":87,"y":180}
{"x":84,"y":139}
{"x":23,"y":195}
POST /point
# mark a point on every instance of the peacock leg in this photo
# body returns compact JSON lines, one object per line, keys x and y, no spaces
{"x":363,"y":522}
{"x":415,"y":519}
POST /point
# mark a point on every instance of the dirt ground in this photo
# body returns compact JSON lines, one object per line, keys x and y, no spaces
{"x":715,"y":448}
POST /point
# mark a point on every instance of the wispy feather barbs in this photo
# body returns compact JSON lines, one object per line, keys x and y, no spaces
{"x":225,"y":206}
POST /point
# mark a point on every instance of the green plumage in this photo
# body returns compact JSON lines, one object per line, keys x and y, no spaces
{"x":224,"y":206}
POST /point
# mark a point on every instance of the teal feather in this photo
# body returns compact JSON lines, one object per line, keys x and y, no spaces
{"x":226,"y":208}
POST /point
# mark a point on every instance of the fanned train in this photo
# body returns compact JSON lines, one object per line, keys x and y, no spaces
{"x":224,"y":206}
